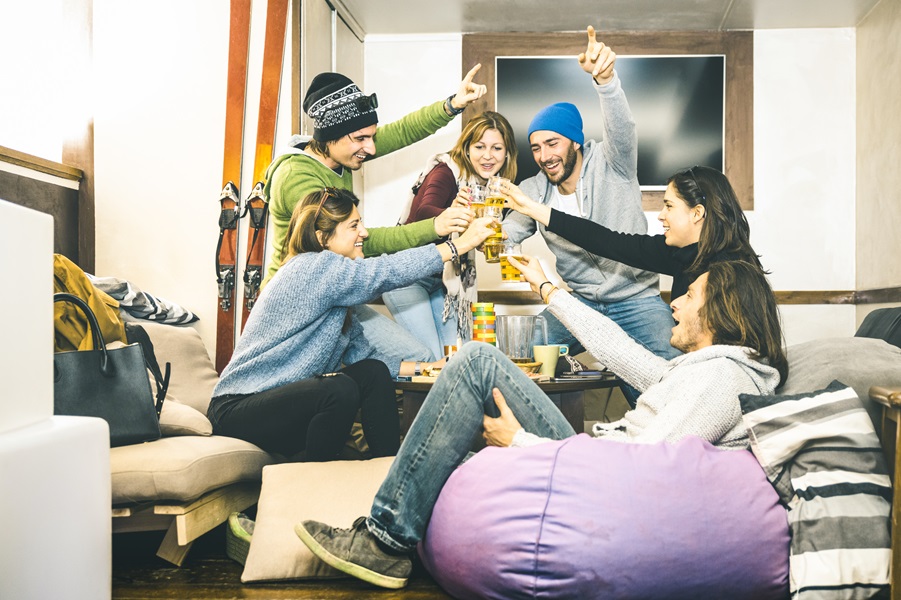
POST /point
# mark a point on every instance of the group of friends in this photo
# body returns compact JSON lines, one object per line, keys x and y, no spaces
{"x":313,"y":355}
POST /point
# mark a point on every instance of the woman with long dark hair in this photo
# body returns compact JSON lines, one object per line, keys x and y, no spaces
{"x":702,"y":223}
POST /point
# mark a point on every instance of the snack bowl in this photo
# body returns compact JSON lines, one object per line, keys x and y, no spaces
{"x":529,"y":367}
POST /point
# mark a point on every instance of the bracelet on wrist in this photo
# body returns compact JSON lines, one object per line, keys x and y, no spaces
{"x":449,"y":107}
{"x":455,"y":256}
{"x":541,"y":288}
{"x":547,"y":298}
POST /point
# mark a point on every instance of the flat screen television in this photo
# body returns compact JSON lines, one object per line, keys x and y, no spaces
{"x":678,"y":103}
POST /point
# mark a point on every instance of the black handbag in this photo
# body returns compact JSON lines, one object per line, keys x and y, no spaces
{"x":110,"y":384}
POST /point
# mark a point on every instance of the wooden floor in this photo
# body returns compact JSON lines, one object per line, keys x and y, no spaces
{"x":208,"y":574}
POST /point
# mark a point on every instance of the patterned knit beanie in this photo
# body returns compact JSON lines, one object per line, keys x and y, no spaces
{"x":562,"y":118}
{"x":338,"y":107}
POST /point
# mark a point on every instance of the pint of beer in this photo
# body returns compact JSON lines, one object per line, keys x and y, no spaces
{"x":495,"y":194}
{"x":477,"y":199}
{"x":509,"y":273}
{"x":492,"y":249}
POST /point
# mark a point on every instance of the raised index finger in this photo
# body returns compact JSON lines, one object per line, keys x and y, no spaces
{"x":472,"y":73}
{"x":591,"y":35}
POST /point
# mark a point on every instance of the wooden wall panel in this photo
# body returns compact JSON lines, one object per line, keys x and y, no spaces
{"x":57,"y":201}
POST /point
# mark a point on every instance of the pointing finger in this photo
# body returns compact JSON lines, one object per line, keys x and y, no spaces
{"x":472,"y":73}
{"x":591,"y":35}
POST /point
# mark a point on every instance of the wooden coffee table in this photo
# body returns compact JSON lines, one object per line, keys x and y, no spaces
{"x":567,"y":395}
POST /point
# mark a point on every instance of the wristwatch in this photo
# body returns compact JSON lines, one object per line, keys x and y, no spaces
{"x":417,"y":370}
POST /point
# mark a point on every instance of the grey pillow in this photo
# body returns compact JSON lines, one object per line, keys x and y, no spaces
{"x":857,"y":362}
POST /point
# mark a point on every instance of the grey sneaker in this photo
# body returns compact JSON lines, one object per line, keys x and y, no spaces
{"x":356,"y":552}
{"x":238,"y":536}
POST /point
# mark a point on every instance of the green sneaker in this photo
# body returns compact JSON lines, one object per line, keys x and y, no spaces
{"x":357,"y":552}
{"x":237,"y":537}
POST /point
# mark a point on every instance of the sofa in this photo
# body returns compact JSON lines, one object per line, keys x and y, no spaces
{"x":188,"y":481}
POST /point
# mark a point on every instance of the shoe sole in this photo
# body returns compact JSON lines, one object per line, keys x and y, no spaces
{"x":362,"y":573}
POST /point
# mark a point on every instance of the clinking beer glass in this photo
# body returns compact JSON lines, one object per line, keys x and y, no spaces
{"x":509,"y":273}
{"x":477,"y":199}
{"x":495,"y":195}
{"x":494,"y":244}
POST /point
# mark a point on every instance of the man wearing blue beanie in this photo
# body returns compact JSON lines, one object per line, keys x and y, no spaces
{"x":596,"y":180}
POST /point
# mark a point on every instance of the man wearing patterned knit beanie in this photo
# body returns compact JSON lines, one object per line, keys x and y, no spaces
{"x":596,"y":180}
{"x":345,"y":135}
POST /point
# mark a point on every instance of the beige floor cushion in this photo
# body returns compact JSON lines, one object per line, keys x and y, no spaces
{"x":182,"y":468}
{"x":334,"y":492}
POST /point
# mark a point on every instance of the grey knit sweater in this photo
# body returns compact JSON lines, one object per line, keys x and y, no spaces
{"x":693,"y":394}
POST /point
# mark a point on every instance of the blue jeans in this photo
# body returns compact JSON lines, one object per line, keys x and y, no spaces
{"x":443,"y":433}
{"x":648,"y":321}
{"x":419,"y":308}
{"x":384,"y":340}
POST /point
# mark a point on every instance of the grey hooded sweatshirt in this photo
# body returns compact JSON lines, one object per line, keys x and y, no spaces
{"x":608,"y":194}
{"x":693,"y":394}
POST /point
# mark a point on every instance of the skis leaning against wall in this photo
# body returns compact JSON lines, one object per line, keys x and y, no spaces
{"x":257,"y":205}
{"x":230,"y":198}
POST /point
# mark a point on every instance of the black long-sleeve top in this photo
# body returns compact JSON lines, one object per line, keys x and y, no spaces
{"x":648,"y":252}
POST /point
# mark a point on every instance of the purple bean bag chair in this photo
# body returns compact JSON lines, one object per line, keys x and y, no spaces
{"x":586,"y":518}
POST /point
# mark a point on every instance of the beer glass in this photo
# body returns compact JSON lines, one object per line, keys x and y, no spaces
{"x":509,"y":273}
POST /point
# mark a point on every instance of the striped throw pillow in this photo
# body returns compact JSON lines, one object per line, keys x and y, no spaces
{"x":821,"y":453}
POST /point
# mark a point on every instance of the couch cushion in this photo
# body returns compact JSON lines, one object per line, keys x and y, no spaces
{"x":182,"y":468}
{"x":333,"y":492}
{"x":193,"y":374}
{"x":180,"y":419}
{"x":821,"y":453}
{"x":588,"y":518}
{"x":855,"y":361}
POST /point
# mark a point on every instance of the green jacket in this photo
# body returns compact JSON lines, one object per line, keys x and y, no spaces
{"x":291,"y":177}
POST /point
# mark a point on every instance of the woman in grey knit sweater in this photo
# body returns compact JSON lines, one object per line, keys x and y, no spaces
{"x":285,"y":389}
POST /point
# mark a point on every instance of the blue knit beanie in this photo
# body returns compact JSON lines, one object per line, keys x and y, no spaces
{"x":562,"y":118}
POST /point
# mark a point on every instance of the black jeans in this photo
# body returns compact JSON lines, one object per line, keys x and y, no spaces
{"x":315,"y":415}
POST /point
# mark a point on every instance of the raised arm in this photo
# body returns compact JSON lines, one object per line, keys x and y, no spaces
{"x":620,"y":142}
{"x":424,"y":122}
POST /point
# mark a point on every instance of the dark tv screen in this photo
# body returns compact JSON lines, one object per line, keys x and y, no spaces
{"x":677,"y":102}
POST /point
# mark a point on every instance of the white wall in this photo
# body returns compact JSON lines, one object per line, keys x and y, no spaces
{"x":804,"y":152}
{"x":803,"y":222}
{"x":407,"y":72}
{"x":879,"y":150}
{"x":159,"y":135}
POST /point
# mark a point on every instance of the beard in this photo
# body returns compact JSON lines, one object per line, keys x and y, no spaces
{"x":686,"y":334}
{"x":569,"y":163}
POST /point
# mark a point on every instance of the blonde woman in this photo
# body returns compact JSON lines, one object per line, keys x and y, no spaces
{"x":436,"y":309}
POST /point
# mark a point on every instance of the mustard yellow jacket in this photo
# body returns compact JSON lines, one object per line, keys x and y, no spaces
{"x":70,"y":322}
